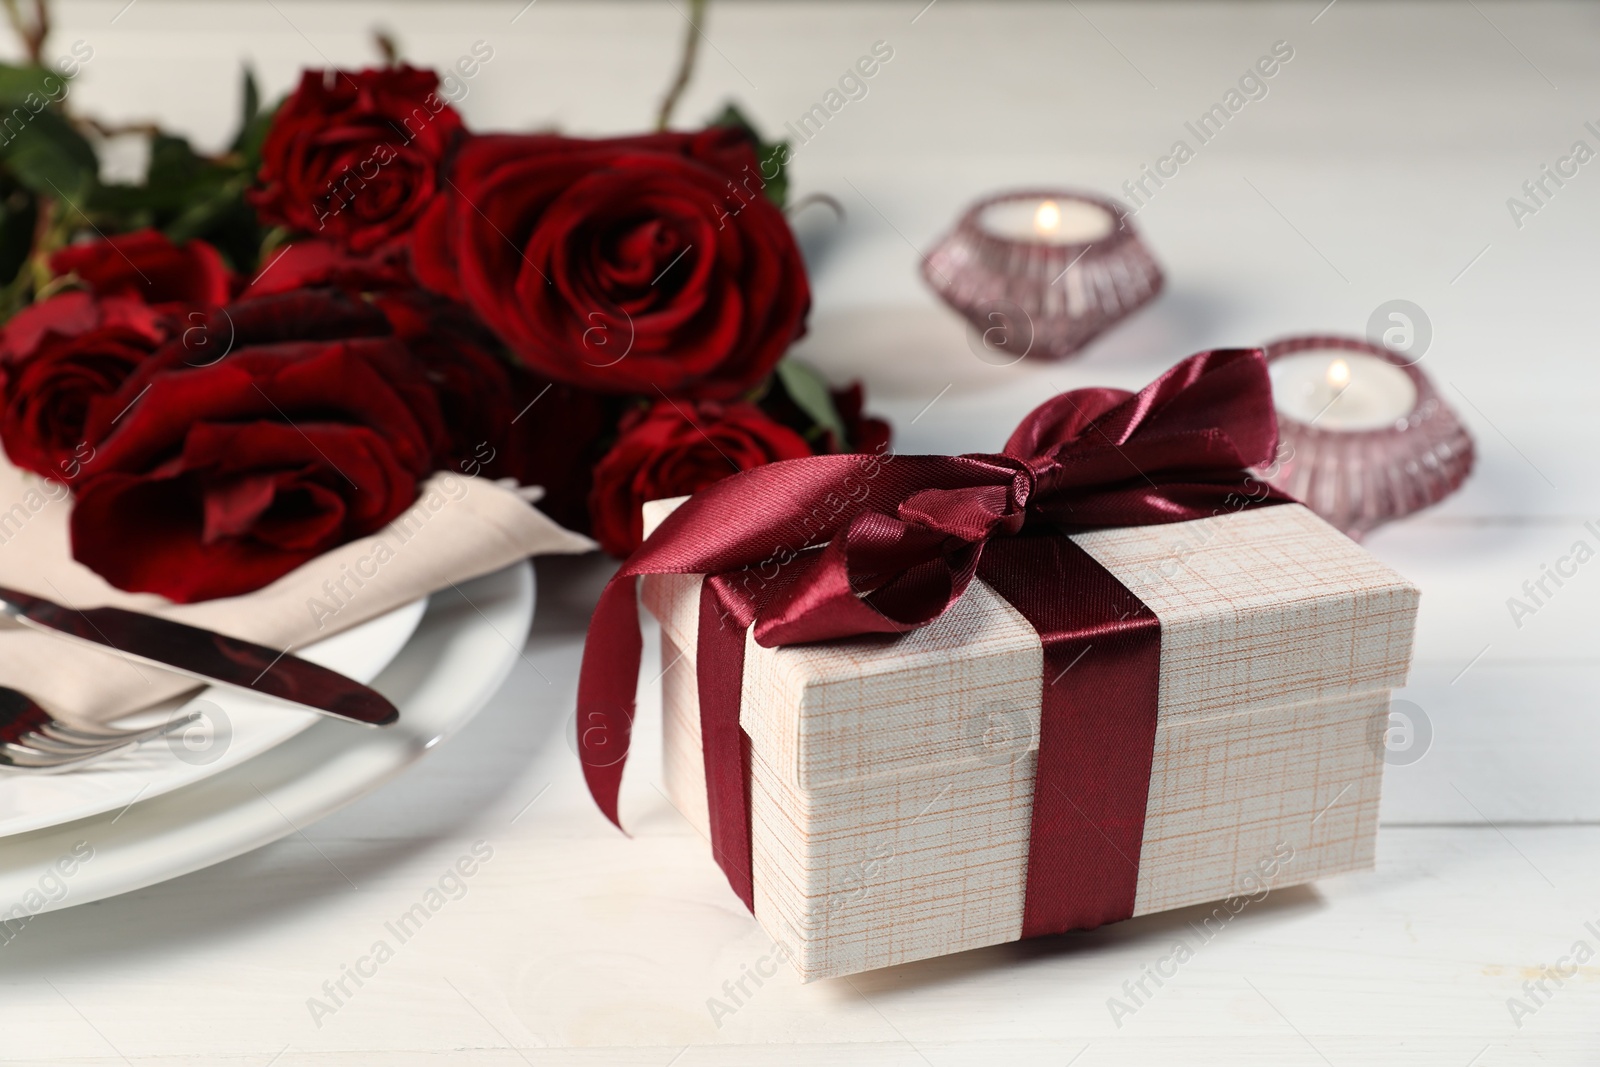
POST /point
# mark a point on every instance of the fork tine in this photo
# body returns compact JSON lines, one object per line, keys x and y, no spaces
{"x":40,"y":753}
{"x":27,"y":761}
{"x":47,"y":740}
{"x":16,"y":758}
{"x":72,"y":733}
{"x":55,"y":746}
{"x":56,"y":737}
{"x":77,"y":732}
{"x":31,"y":741}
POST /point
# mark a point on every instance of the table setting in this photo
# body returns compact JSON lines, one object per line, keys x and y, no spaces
{"x":181,"y":738}
{"x":701,"y":532}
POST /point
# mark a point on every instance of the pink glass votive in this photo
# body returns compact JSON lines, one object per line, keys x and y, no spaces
{"x":1054,"y":269}
{"x":1363,"y":435}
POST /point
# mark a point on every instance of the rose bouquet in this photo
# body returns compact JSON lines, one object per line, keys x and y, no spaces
{"x":254,"y":356}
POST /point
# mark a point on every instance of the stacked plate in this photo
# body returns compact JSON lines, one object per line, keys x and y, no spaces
{"x":251,"y":771}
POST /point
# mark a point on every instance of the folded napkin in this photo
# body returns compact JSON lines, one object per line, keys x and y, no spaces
{"x":459,"y":528}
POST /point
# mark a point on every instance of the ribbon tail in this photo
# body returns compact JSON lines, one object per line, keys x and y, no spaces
{"x":719,"y":666}
{"x":607,"y":684}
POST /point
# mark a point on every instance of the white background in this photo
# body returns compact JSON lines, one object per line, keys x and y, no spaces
{"x":1377,"y":167}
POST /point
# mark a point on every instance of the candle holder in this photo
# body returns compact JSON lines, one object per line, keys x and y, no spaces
{"x":1052,"y":269}
{"x":1356,"y":477}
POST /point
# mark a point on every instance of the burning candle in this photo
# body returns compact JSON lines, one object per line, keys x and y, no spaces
{"x":1047,"y":221}
{"x":1039,"y":273}
{"x":1340,"y":389}
{"x":1363,"y":436}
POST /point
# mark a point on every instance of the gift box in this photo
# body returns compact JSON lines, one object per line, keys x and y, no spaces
{"x":891,"y":787}
{"x":1095,"y":724}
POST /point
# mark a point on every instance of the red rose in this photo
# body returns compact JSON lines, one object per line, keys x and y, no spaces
{"x":299,"y":315}
{"x":56,"y":359}
{"x":866,"y":433}
{"x":218,"y":480}
{"x":355,"y":157}
{"x":556,"y":438}
{"x":146,"y":265}
{"x":676,"y":448}
{"x":472,"y":382}
{"x":305,"y":264}
{"x":501,"y":421}
{"x":633,"y":265}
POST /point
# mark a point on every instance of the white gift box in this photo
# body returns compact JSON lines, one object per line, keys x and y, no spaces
{"x":892,"y":785}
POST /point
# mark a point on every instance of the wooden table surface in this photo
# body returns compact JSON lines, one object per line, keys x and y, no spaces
{"x":1377,"y":167}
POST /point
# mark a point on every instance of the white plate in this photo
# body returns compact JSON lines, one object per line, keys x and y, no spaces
{"x":462,"y":651}
{"x":236,"y":727}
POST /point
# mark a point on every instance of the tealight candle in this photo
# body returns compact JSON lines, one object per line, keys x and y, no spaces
{"x":1363,"y":436}
{"x":1339,"y":389}
{"x":1039,"y":273}
{"x":1059,"y":222}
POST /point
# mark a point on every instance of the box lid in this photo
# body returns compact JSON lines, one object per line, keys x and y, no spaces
{"x":1258,"y":608}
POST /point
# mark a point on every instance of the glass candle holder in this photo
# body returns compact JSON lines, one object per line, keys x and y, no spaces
{"x":1363,"y":436}
{"x":1042,"y":273}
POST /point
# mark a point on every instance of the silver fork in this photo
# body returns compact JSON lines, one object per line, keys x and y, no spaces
{"x":31,"y":741}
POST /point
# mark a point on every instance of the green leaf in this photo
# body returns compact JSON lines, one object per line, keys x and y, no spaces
{"x":254,"y":133}
{"x":186,"y":195}
{"x":17,"y":83}
{"x":177,"y":179}
{"x":173,"y":163}
{"x":39,"y":146}
{"x":252,"y":107}
{"x":18,"y":215}
{"x":206,"y":211}
{"x":133,"y":206}
{"x":810,"y":393}
{"x":772,"y":155}
{"x":46,"y":154}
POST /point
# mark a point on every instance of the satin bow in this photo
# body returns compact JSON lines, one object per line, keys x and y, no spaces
{"x":835,"y":546}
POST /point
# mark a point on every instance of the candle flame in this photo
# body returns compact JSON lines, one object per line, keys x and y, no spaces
{"x":1048,"y":218}
{"x":1338,"y":374}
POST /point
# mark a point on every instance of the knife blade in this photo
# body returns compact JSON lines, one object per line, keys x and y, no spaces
{"x":206,"y":655}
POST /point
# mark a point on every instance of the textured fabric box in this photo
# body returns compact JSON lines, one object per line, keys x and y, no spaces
{"x":892,"y":784}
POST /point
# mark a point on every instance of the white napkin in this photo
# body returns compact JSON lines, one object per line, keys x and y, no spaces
{"x":459,"y":528}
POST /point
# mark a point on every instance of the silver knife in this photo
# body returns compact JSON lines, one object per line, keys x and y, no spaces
{"x":206,"y":655}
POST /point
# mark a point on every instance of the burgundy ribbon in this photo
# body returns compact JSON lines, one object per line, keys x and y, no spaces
{"x":834,"y":547}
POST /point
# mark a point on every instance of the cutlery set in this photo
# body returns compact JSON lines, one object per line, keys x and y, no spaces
{"x":31,"y":740}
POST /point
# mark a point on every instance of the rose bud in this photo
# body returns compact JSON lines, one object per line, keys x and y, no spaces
{"x":673,"y":449}
{"x":146,"y":265}
{"x":353,"y":157}
{"x":57,"y":358}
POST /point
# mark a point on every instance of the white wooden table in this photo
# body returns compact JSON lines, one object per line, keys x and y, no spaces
{"x":1377,"y":167}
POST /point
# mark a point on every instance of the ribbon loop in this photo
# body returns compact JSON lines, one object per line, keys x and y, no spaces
{"x":974,"y":514}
